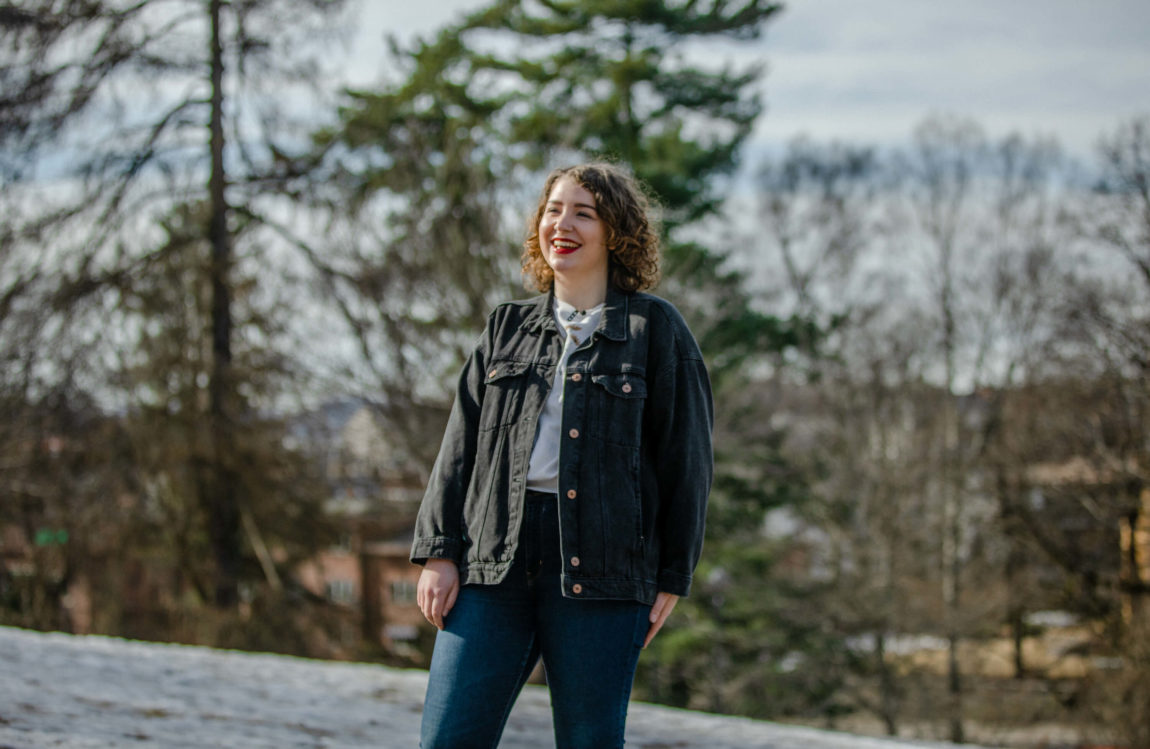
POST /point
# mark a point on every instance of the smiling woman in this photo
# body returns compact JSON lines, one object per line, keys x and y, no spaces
{"x":571,"y":239}
{"x":625,"y":214}
{"x":564,"y":515}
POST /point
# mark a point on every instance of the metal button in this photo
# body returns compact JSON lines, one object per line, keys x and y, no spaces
{"x":626,"y":387}
{"x":574,"y":434}
{"x":576,"y":588}
{"x":576,"y":377}
{"x":570,"y":494}
{"x":574,"y":561}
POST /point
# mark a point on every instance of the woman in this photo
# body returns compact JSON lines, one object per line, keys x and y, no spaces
{"x":564,"y":514}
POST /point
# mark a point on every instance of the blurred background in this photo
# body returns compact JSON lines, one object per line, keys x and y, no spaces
{"x":246,"y":246}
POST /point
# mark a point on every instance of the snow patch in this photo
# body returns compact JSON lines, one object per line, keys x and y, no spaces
{"x":72,"y":692}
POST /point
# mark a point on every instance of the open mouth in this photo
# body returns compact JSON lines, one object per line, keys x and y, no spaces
{"x":564,"y":246}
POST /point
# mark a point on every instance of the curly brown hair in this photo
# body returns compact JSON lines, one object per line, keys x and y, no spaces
{"x":632,"y":236}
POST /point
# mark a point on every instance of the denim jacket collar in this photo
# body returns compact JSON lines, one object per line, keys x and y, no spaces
{"x":612,"y":325}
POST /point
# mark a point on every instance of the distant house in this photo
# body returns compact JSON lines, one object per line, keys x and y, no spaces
{"x":391,"y":616}
{"x":1077,"y":475}
{"x":15,"y":551}
{"x":1135,"y":574}
{"x":375,"y":486}
{"x":33,"y":551}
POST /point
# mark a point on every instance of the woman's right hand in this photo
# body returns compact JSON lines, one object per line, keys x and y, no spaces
{"x":437,"y":589}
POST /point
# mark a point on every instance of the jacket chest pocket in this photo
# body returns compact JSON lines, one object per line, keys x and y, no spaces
{"x":617,"y":404}
{"x":505,"y":386}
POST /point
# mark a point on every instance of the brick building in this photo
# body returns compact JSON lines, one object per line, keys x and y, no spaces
{"x":376,"y":487}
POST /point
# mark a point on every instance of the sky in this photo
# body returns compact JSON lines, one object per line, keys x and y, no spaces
{"x":868,"y":71}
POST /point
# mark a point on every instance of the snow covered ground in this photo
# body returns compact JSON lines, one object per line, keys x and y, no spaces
{"x":73,"y":692}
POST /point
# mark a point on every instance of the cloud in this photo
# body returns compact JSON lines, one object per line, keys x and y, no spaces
{"x":869,"y":71}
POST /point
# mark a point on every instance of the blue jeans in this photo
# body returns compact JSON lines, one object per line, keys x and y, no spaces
{"x":495,"y":634}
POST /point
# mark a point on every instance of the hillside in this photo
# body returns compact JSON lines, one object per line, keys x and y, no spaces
{"x":73,"y":692}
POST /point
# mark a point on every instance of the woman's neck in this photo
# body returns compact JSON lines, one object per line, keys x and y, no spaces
{"x":581,"y":296}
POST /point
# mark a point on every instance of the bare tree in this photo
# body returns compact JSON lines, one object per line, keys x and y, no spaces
{"x":934,"y":275}
{"x":122,"y":111}
{"x":1108,"y":328}
{"x":823,"y":208}
{"x":944,"y":164}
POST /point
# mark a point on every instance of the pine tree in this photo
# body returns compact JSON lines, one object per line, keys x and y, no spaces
{"x":619,"y":80}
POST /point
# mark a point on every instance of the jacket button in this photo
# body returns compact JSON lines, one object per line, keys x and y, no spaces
{"x":570,"y":494}
{"x":574,"y":434}
{"x":576,"y":377}
{"x":626,"y":387}
{"x":576,"y":588}
{"x":574,"y":561}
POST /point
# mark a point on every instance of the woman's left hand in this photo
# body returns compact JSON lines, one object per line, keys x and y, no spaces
{"x":664,"y":603}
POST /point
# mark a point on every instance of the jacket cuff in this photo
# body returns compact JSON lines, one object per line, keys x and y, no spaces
{"x":435,"y":547}
{"x":674,"y":583}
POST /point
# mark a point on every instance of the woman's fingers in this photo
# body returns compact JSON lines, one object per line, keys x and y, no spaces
{"x":432,"y":607}
{"x":664,"y":604}
{"x":452,"y":594}
{"x":437,"y":589}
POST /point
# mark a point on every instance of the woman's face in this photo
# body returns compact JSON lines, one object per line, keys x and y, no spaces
{"x":572,"y":236}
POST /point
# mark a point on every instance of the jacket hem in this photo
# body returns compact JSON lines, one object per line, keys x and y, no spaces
{"x":610,"y":589}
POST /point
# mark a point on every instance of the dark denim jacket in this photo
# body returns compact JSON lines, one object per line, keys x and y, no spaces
{"x":635,"y":459}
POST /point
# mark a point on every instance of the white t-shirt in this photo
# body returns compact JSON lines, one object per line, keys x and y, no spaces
{"x":576,"y":327}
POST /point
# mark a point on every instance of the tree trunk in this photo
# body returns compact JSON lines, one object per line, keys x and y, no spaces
{"x":952,"y":495}
{"x":220,"y":503}
{"x":887,"y":698}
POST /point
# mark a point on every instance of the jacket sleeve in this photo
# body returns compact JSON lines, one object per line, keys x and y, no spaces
{"x":685,"y":462}
{"x":438,"y":527}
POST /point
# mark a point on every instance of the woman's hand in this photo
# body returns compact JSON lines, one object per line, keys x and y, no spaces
{"x":437,"y":589}
{"x":664,"y":603}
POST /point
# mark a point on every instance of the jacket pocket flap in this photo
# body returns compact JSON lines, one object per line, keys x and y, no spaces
{"x":622,"y":385}
{"x":502,"y":370}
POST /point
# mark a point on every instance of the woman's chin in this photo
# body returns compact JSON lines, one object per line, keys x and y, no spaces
{"x":562,"y":263}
